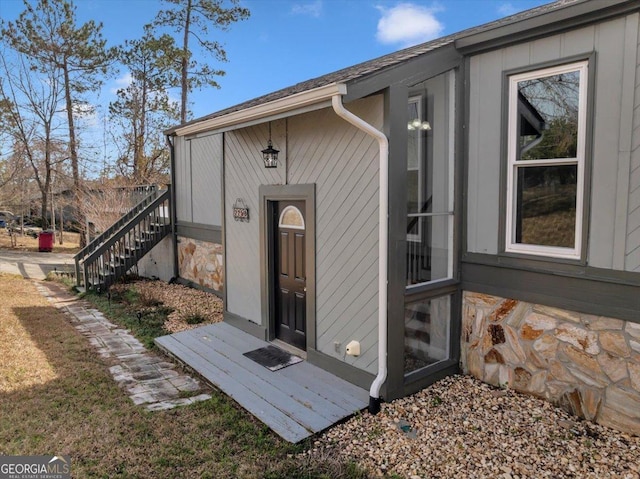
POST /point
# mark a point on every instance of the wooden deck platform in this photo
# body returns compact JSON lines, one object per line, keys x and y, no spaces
{"x":295,"y":402}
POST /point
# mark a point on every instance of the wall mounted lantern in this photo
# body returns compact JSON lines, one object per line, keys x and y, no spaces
{"x":416,"y":124}
{"x":270,"y":154}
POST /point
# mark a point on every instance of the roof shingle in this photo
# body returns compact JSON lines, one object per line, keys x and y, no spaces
{"x":376,"y":65}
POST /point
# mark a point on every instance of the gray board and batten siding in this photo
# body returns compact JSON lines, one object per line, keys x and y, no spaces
{"x":632,"y":250}
{"x":315,"y":148}
{"x":614,"y":163}
{"x":198,"y":177}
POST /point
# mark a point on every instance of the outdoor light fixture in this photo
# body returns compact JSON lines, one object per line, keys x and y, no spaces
{"x":270,"y":154}
{"x":416,"y":124}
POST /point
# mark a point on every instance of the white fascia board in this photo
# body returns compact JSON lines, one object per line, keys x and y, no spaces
{"x":289,"y":104}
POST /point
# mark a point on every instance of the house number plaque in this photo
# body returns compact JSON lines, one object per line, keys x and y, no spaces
{"x":240,"y":211}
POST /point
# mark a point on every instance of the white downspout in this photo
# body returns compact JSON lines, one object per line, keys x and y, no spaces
{"x":383,"y":142}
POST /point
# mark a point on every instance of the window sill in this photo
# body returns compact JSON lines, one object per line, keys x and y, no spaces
{"x":543,"y":257}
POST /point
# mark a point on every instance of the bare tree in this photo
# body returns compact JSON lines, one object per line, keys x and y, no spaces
{"x":47,"y":34}
{"x":106,"y":203}
{"x":32,"y":103}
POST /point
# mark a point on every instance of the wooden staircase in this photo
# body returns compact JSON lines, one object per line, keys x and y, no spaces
{"x":113,"y":253}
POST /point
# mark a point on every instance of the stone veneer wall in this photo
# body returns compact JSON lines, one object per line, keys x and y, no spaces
{"x":590,"y":365}
{"x":201,"y":263}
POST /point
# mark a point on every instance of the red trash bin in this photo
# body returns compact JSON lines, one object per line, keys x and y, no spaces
{"x":45,"y":241}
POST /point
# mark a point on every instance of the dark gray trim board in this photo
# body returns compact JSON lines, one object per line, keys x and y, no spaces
{"x":223,"y":218}
{"x":408,"y":73}
{"x":550,"y":267}
{"x":174,"y":216}
{"x":573,"y":16}
{"x":197,"y":231}
{"x":268,"y":195}
{"x":588,"y":293}
{"x":343,"y":370}
{"x":245,"y":325}
{"x":396,"y":120}
{"x":447,"y":368}
{"x":191,"y":284}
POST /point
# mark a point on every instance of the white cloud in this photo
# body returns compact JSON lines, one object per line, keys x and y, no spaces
{"x":408,"y":24}
{"x":121,"y":82}
{"x":506,"y":9}
{"x":313,"y":9}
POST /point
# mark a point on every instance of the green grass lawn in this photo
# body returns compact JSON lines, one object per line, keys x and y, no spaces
{"x":57,"y":397}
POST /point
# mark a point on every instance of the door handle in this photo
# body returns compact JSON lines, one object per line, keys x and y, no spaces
{"x":305,"y":289}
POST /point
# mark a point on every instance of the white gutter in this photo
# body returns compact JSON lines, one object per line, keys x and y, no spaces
{"x":383,"y":143}
{"x":270,"y":109}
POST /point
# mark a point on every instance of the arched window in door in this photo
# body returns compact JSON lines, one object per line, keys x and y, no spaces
{"x":291,"y":217}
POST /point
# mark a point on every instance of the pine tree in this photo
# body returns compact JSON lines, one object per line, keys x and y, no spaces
{"x":143,"y":108}
{"x":193,"y":18}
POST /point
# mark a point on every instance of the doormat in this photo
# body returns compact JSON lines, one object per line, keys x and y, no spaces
{"x":272,"y":357}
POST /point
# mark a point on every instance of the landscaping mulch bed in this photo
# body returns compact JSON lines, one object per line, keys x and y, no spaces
{"x":187,"y":308}
{"x":463,"y":428}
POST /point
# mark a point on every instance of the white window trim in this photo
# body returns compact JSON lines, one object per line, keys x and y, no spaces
{"x":552,"y":251}
{"x":291,"y":227}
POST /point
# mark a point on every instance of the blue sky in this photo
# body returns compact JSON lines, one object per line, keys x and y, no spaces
{"x":288,"y":41}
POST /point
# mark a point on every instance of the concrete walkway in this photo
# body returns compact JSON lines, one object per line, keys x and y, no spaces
{"x":148,"y":378}
{"x":33,"y":265}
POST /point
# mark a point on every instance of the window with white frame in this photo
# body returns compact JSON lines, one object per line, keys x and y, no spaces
{"x":546,"y":161}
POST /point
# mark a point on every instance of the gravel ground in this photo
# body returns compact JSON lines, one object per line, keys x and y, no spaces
{"x":457,"y":428}
{"x":187,"y":303}
{"x":463,"y":428}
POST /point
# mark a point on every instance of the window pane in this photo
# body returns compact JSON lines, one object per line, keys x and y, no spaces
{"x":426,"y":333}
{"x":429,"y":155}
{"x":414,"y":154}
{"x":291,"y":217}
{"x":413,"y":190}
{"x":428,"y":248}
{"x":430,"y":150}
{"x":548,"y":117}
{"x":546,"y":205}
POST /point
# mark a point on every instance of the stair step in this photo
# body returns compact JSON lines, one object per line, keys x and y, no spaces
{"x":127,"y":249}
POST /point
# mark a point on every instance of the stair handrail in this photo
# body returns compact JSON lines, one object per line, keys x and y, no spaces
{"x":98,"y":240}
{"x":122,"y":231}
